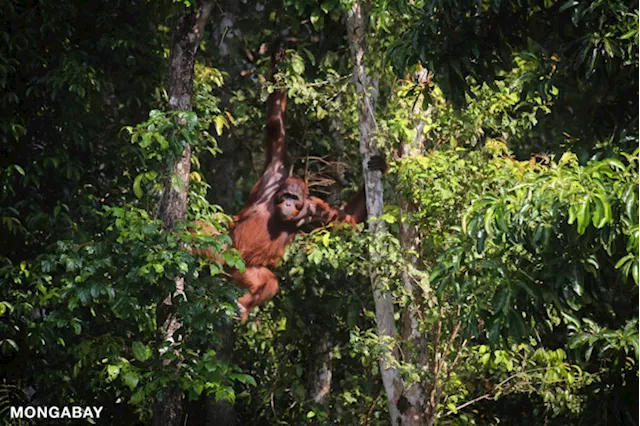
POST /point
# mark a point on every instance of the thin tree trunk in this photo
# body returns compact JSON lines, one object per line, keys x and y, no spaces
{"x":367,"y":93}
{"x":414,"y":414}
{"x":321,"y":370}
{"x":173,"y":205}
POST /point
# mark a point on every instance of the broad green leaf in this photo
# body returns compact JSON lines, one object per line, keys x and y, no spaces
{"x":629,"y":34}
{"x":141,"y":351}
{"x":244,"y":378}
{"x":634,"y":342}
{"x":131,"y":379}
{"x":635,"y":269}
{"x":631,"y":204}
{"x":583,"y":216}
{"x":137,"y":190}
{"x":326,"y":238}
{"x":19,"y":169}
{"x":297,"y":63}
{"x":219,"y":122}
{"x":624,"y":260}
{"x":137,"y":397}
{"x":112,"y":372}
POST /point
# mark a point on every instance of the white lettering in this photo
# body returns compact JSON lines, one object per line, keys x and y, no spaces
{"x":41,"y":412}
{"x":54,"y":412}
{"x":65,"y":413}
{"x":16,"y":412}
{"x":30,"y":412}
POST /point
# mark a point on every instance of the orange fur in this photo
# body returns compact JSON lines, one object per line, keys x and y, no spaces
{"x":270,"y":219}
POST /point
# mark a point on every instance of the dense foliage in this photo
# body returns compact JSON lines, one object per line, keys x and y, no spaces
{"x":524,"y":197}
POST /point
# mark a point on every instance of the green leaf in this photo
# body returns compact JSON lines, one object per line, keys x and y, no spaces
{"x":488,"y":221}
{"x":297,"y":63}
{"x":112,"y":372}
{"x":629,"y":34}
{"x":141,"y":351}
{"x":137,"y":190}
{"x":19,"y":169}
{"x":317,"y":20}
{"x":137,"y":397}
{"x":131,"y":379}
{"x":631,"y":204}
{"x":315,"y":257}
{"x":219,"y":123}
{"x":583,"y":216}
{"x":326,"y":239}
{"x":198,"y":387}
{"x":244,"y":378}
{"x":328,"y":5}
{"x":599,"y":217}
{"x":614,"y":164}
{"x":634,"y":342}
{"x":500,"y":301}
{"x":77,"y":328}
{"x":389,"y":218}
{"x":162,"y":141}
{"x":624,"y":260}
{"x":587,"y":354}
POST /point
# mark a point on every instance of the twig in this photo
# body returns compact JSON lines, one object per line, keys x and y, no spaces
{"x":316,"y":83}
{"x":333,"y":166}
{"x":473,"y":401}
{"x":373,"y":404}
{"x":497,"y":387}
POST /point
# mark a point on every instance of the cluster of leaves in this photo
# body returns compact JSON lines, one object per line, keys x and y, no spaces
{"x":485,"y":35}
{"x":583,"y":49}
{"x":85,"y":314}
{"x":161,"y":138}
{"x":508,"y":108}
{"x":525,"y":376}
{"x":543,"y":219}
{"x":538,"y":247}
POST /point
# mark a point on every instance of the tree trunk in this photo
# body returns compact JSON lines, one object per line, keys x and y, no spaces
{"x":321,"y":370}
{"x":414,"y":414}
{"x":173,"y":205}
{"x":367,"y":93}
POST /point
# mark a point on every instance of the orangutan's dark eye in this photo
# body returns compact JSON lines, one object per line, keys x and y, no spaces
{"x":288,"y":196}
